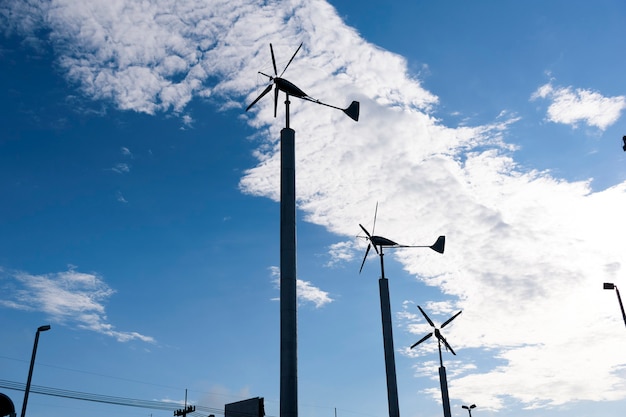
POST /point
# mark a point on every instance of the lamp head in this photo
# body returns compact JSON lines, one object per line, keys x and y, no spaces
{"x":609,"y":286}
{"x":43,"y":328}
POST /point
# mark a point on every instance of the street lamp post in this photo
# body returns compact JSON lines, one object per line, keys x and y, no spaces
{"x":469,"y":408}
{"x":611,"y":286}
{"x":32,"y":364}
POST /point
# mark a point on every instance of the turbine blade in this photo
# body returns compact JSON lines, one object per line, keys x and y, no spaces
{"x":426,"y":317}
{"x":366,"y":232}
{"x":439,"y":245}
{"x":421,"y":340}
{"x":267,"y":90}
{"x":365,"y":257}
{"x":273,"y":60}
{"x":375,"y":214}
{"x":445,"y":342}
{"x":294,"y":55}
{"x":450,"y":319}
{"x":275,"y":100}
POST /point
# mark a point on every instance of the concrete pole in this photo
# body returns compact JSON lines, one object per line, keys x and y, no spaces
{"x":445,"y":399}
{"x":288,"y":296}
{"x":390,"y":362}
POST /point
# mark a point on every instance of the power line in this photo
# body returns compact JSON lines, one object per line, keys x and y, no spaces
{"x":40,"y":364}
{"x":106,"y":399}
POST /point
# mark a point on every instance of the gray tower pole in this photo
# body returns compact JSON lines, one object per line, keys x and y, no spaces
{"x":390,"y":363}
{"x":445,"y":399}
{"x":288,"y":300}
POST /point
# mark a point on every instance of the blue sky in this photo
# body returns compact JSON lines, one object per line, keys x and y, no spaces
{"x":140,"y":213}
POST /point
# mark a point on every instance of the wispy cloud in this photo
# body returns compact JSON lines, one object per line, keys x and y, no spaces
{"x":572,"y":106}
{"x":121,"y":168}
{"x":70,"y":298}
{"x":306,"y":292}
{"x":340,"y":252}
{"x":187,"y":121}
{"x":120,"y":197}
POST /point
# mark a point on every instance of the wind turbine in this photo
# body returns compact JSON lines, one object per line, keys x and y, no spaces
{"x":281,"y":84}
{"x":442,"y":369}
{"x":288,"y":300}
{"x":379,"y":242}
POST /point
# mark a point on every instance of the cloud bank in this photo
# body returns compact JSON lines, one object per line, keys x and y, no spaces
{"x":526,"y":252}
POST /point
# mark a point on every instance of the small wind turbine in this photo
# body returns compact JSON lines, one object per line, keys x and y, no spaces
{"x":281,"y":84}
{"x":379,"y":242}
{"x":288,"y":300}
{"x":442,"y":369}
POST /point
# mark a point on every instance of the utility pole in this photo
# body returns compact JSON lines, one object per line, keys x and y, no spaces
{"x":188,"y":409}
{"x":185,"y":411}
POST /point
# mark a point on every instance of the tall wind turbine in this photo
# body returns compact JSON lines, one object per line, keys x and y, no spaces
{"x":288,"y":300}
{"x":443,"y":381}
{"x":281,"y":84}
{"x":378,"y":243}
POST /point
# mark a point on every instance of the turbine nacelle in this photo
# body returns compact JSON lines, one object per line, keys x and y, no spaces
{"x":382,"y":241}
{"x":289,"y":88}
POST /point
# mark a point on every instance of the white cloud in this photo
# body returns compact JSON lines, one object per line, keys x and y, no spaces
{"x":340,"y":252}
{"x":70,"y":297}
{"x":310,"y":293}
{"x":157,"y":55}
{"x":573,"y":106}
{"x":306,"y":292}
{"x":526,"y":252}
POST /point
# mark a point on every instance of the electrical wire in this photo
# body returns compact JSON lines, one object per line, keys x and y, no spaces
{"x":107,"y":399}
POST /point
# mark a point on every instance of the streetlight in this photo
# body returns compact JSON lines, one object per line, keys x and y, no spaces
{"x":611,"y":286}
{"x":32,"y":364}
{"x":469,"y":408}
